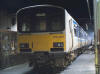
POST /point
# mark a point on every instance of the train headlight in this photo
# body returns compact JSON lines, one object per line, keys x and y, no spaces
{"x":24,"y":45}
{"x":58,"y":44}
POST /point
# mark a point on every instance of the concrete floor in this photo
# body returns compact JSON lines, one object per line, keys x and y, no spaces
{"x":84,"y":64}
{"x":19,"y":69}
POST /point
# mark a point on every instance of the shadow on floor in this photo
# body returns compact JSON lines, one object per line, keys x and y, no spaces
{"x":45,"y":70}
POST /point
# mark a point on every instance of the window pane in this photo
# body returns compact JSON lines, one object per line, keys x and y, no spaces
{"x":44,"y":19}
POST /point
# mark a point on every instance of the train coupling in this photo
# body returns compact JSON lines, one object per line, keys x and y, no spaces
{"x":39,"y":59}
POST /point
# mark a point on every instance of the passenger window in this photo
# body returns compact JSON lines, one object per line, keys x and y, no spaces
{"x":76,"y":30}
{"x":80,"y":33}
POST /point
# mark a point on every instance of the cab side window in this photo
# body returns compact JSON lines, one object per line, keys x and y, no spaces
{"x":76,"y":29}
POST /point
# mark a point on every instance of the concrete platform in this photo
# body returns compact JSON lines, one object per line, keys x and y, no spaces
{"x":19,"y":69}
{"x":84,"y":64}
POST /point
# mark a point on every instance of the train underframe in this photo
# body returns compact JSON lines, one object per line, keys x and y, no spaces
{"x":54,"y":59}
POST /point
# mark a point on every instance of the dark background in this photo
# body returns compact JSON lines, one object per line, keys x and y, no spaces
{"x":78,"y":9}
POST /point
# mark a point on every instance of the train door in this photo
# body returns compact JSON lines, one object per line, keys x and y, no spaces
{"x":71,"y":31}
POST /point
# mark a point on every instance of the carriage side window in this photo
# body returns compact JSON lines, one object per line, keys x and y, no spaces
{"x":76,"y":29}
{"x":80,"y":33}
{"x":83,"y":34}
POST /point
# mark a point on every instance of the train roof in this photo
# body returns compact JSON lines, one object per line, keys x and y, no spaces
{"x":45,"y":5}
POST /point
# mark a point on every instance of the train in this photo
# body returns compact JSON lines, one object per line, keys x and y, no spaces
{"x":50,"y":34}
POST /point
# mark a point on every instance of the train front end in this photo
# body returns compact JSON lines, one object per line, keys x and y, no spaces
{"x":42,"y":33}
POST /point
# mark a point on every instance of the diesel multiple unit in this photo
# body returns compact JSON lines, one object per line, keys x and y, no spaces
{"x":50,"y":34}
